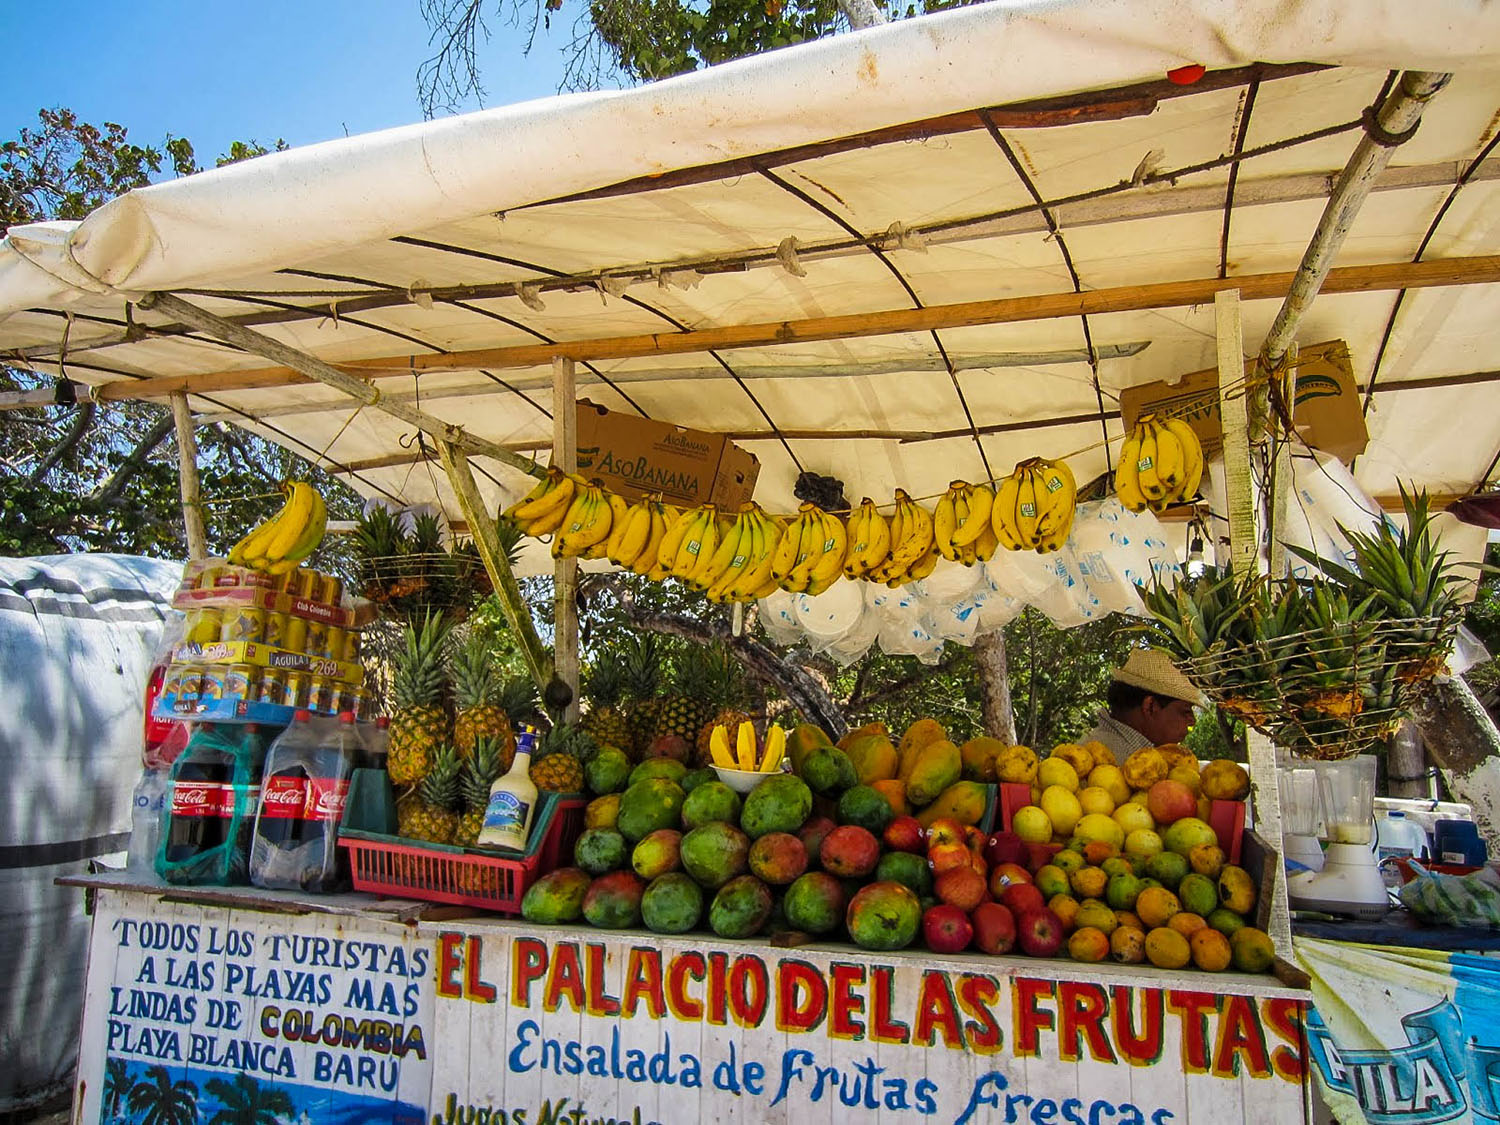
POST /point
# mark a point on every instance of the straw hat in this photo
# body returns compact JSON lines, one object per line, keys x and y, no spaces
{"x":1150,"y":669}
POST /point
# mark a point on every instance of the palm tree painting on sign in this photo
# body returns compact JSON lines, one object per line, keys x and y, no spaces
{"x":160,"y":1101}
{"x":246,"y":1102}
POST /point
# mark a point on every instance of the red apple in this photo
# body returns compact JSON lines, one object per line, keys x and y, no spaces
{"x":946,"y":929}
{"x":945,"y":830}
{"x":1169,"y":801}
{"x":947,"y":857}
{"x":1039,"y":932}
{"x":994,"y":928}
{"x":1020,"y":897}
{"x":905,"y":834}
{"x":1004,"y":847}
{"x":974,"y":839}
{"x":1039,"y":855}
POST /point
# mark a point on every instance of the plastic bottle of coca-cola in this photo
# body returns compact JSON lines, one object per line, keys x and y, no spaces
{"x":210,"y":806}
{"x":302,"y":800}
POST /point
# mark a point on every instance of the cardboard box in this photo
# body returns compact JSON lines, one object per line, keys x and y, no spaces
{"x":1327,"y":413}
{"x":638,"y":456}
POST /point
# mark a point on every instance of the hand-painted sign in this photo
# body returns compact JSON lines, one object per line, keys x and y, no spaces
{"x":584,"y":1028}
{"x":197,"y":1013}
{"x":1405,"y":1036}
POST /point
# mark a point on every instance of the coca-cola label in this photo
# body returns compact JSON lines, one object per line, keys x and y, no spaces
{"x":238,"y":799}
{"x":325,"y":798}
{"x":283,"y":797}
{"x":201,"y":798}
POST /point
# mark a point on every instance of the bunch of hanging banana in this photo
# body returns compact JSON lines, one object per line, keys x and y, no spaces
{"x":1033,"y":509}
{"x":542,"y":510}
{"x":961,"y":523}
{"x":810,"y":553}
{"x":868,"y":539}
{"x":278,"y":544}
{"x":688,"y":546}
{"x":584,"y":531}
{"x":636,"y":535}
{"x":1161,"y":463}
{"x":913,"y":551}
{"x":740,"y":567}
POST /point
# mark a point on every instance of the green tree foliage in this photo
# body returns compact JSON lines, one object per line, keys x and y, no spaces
{"x":157,"y":1100}
{"x":103,"y":476}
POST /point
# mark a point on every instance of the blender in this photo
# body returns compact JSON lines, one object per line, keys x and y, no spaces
{"x":1350,"y":881}
{"x":1301,"y":824}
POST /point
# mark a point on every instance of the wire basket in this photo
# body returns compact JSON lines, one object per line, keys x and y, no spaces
{"x":414,"y":584}
{"x":1330,"y":693}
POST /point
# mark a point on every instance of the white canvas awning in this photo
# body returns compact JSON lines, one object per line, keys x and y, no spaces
{"x":914,"y":165}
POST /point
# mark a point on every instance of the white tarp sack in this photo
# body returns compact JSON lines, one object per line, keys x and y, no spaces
{"x":77,"y":638}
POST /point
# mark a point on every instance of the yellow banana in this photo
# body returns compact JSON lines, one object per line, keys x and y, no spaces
{"x":980,"y":501}
{"x":869,"y":546}
{"x":553,"y":493}
{"x":830,"y":563}
{"x":1057,"y":497}
{"x":677,"y":528}
{"x":1002,"y":513}
{"x":1127,"y":476}
{"x":587,"y":523}
{"x":645,"y":558}
{"x":923,"y":566}
{"x":919,"y":539}
{"x":1026,"y":509}
{"x":744,"y":745}
{"x":757,"y":571}
{"x":290,"y":527}
{"x":551,"y":518}
{"x":793,"y":550}
{"x":316,"y":526}
{"x":1145,"y":465}
{"x":252,"y":546}
{"x":1192,"y":457}
{"x":702,"y":536}
{"x":539,"y":490}
{"x":1169,"y":459}
{"x":718,"y":747}
{"x":620,"y":511}
{"x":629,"y":538}
{"x":770,"y":759}
{"x":726,"y":554}
{"x":986,"y":545}
{"x":945,"y":520}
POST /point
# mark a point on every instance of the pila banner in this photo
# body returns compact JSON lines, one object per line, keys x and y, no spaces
{"x":1404,"y":1036}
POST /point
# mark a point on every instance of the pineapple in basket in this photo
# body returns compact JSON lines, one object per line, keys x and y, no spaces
{"x":418,"y":721}
{"x":430,"y":811}
{"x":479,"y":774}
{"x":474,"y":686}
{"x":558,"y":762}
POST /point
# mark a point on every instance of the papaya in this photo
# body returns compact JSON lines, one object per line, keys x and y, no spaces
{"x":894,"y":791}
{"x":917,"y":738}
{"x":979,"y":756}
{"x":937,"y":766}
{"x":858,"y":732}
{"x":804,"y":739}
{"x":964,"y":801}
{"x":872,"y":754}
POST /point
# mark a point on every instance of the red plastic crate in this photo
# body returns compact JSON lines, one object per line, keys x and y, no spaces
{"x":399,"y":868}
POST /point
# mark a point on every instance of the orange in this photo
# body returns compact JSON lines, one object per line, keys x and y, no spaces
{"x":1167,"y":949}
{"x":1155,"y":905}
{"x":1128,"y":945}
{"x":1252,"y":950}
{"x":1088,"y":944}
{"x":1065,"y":907}
{"x":1184,"y":922}
{"x":1210,"y":950}
{"x":1089,"y":882}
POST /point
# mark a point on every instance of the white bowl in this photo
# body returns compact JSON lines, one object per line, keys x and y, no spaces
{"x":741,"y":781}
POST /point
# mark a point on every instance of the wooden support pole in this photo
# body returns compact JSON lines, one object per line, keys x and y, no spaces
{"x":1244,"y":546}
{"x":187,"y":472}
{"x":1281,"y":472}
{"x":565,"y":571}
{"x":1009,"y":310}
{"x":487,"y":540}
{"x":316,"y":370}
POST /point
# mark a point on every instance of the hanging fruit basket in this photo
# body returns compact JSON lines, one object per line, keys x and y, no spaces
{"x":442,"y":582}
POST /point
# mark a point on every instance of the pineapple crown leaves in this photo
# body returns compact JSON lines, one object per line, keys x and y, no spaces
{"x":441,"y":785}
{"x":420,"y":668}
{"x":474,"y":678}
{"x":566,"y":738}
{"x":518,"y":699}
{"x":378,"y":533}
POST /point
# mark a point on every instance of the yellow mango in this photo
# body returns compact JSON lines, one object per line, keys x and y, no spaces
{"x":917,"y":738}
{"x":873,"y":756}
{"x":937,"y":766}
{"x":979,"y":756}
{"x":964,"y":801}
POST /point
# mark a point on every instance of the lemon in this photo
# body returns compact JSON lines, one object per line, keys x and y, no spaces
{"x":1061,"y":807}
{"x":1057,"y":771}
{"x":1112,"y":781}
{"x":1093,"y":799}
{"x":1032,"y":825}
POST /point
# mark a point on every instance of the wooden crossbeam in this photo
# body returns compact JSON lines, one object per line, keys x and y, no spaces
{"x":1476,"y":270}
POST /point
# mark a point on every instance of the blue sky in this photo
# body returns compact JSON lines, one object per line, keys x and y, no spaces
{"x":216,"y":71}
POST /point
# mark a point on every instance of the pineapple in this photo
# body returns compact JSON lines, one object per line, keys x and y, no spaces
{"x":640,"y":669}
{"x":492,"y":757}
{"x":418,"y":722}
{"x":605,"y":723}
{"x":730,"y":719}
{"x":685,"y":713}
{"x":474,"y":691}
{"x":378,"y":539}
{"x":558,"y":763}
{"x":429,"y":814}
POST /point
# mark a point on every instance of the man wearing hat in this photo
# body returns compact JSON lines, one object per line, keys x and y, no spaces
{"x":1150,"y":702}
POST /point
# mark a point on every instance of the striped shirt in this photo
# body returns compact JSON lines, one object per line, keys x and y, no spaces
{"x":1124,"y":740}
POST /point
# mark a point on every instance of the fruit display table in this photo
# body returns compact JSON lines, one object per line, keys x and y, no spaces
{"x":344,"y":1007}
